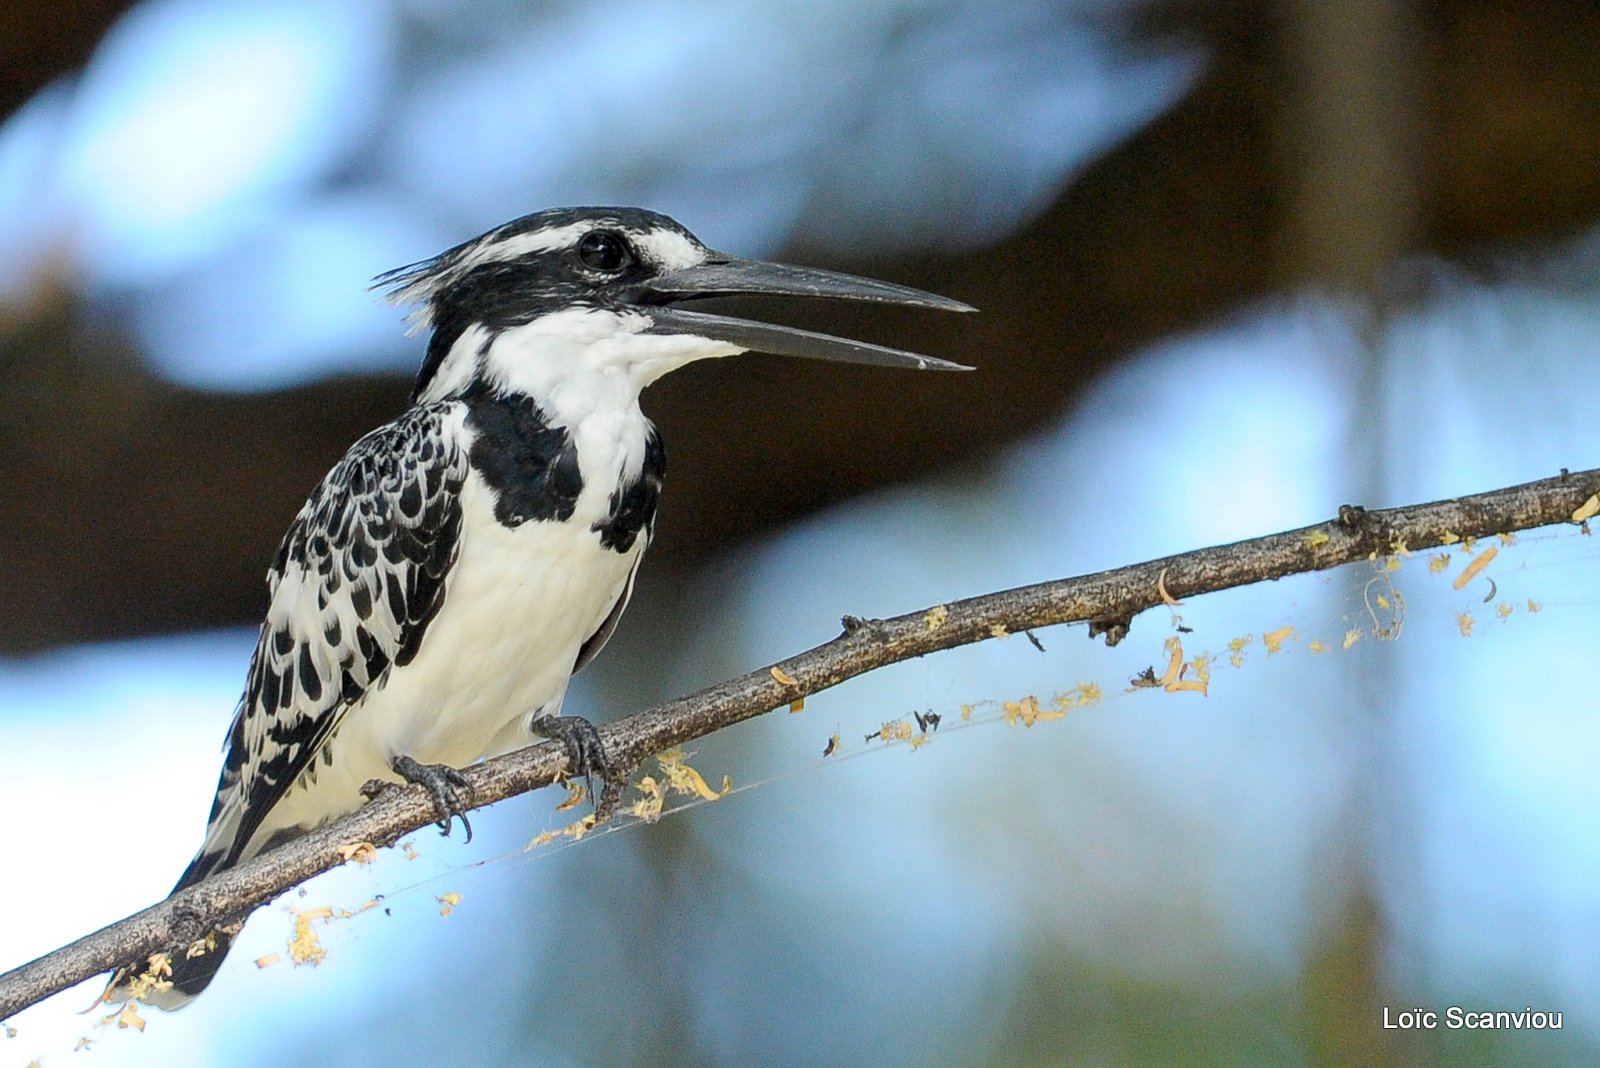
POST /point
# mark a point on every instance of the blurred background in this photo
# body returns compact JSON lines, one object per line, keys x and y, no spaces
{"x":1237,"y":264}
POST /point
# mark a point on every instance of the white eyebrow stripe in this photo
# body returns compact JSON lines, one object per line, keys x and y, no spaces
{"x":665,"y":248}
{"x":519,"y":245}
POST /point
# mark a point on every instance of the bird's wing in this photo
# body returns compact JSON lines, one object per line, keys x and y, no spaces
{"x":597,"y":641}
{"x":357,"y":580}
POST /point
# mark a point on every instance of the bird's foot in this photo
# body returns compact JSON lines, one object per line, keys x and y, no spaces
{"x":447,"y":787}
{"x":586,"y":756}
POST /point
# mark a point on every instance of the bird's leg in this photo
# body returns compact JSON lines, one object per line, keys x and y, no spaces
{"x":445,"y":785}
{"x":586,"y":755}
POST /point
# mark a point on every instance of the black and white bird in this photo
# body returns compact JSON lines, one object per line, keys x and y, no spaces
{"x":439,"y":589}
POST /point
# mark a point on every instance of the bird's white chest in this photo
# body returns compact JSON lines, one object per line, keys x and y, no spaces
{"x":518,"y":607}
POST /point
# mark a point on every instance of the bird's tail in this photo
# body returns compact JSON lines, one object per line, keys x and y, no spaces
{"x":171,"y":981}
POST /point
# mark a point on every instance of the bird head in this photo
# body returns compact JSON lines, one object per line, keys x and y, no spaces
{"x":604,"y":287}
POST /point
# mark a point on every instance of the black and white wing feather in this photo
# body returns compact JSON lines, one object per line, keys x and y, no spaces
{"x":356,"y":582}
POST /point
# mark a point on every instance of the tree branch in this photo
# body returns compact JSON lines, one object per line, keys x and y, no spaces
{"x":1108,"y":601}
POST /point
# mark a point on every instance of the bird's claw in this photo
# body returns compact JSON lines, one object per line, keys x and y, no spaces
{"x":447,"y":787}
{"x":586,"y":755}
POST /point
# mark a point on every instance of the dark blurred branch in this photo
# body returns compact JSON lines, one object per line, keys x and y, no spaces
{"x":1108,"y":601}
{"x":1462,"y":128}
{"x":1320,"y":140}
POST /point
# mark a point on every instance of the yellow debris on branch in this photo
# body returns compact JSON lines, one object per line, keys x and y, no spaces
{"x":894,"y":730}
{"x":1173,"y":679}
{"x":576,"y":792}
{"x":1186,"y":685}
{"x":782,"y":677}
{"x":201,"y":946}
{"x":345,"y":914}
{"x":998,"y":630}
{"x":1161,"y":590}
{"x":155,"y":979}
{"x":1477,"y":565}
{"x":1027,"y":712}
{"x":1174,"y":650}
{"x":936,"y":617}
{"x":683,"y":779}
{"x":1081,"y":695}
{"x":1274,"y":639}
{"x":304,"y":946}
{"x":1317,"y":539}
{"x":1587,"y":510}
{"x":1237,"y":647}
{"x":360,"y":852}
{"x":652,"y":799}
{"x":578,"y":828}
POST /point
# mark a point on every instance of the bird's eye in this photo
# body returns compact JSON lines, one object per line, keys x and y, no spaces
{"x":603,"y":250}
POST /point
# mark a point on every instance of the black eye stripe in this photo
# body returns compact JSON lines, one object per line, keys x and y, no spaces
{"x":604,"y":250}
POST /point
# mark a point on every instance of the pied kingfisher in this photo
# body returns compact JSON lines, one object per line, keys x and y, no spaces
{"x":438,"y":590}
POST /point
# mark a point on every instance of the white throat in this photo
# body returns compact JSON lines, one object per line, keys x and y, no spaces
{"x":572,"y":362}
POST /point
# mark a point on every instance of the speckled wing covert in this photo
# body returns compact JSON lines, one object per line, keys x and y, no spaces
{"x":358,"y":578}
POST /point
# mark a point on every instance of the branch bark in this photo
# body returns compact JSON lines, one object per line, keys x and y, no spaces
{"x":1107,"y":601}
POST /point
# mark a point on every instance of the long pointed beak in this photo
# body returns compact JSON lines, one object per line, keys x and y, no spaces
{"x":730,"y":275}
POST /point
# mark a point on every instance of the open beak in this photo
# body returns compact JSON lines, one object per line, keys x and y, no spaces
{"x":728,"y":275}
